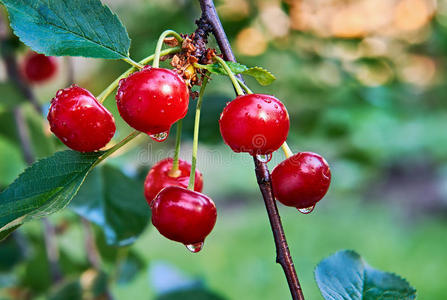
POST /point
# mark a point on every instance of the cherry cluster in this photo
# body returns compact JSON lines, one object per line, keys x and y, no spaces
{"x":151,"y":100}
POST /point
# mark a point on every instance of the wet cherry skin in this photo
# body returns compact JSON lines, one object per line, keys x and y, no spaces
{"x":158,"y":178}
{"x":38,"y":67}
{"x":153,"y":99}
{"x":182,"y":215}
{"x":79,"y":120}
{"x":255,"y":123}
{"x":301,"y":180}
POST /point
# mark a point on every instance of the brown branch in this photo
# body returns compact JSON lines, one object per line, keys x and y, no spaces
{"x":283,"y":256}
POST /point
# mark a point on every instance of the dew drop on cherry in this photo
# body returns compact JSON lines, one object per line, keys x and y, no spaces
{"x":265,"y":158}
{"x":306,"y":210}
{"x":194,"y":248}
{"x":160,"y":137}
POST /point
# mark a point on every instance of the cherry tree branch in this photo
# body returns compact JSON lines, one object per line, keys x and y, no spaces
{"x":283,"y":257}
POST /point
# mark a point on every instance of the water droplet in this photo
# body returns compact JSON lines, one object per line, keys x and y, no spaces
{"x":160,"y":137}
{"x":276,"y":106}
{"x":307,"y":210}
{"x":59,"y":93}
{"x":267,"y":100}
{"x":140,"y":99}
{"x":64,"y":139}
{"x":194,"y":248}
{"x":259,"y":106}
{"x":64,"y":124}
{"x":265,"y":158}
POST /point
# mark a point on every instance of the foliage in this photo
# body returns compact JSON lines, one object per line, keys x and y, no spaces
{"x":70,"y":27}
{"x":367,"y":127}
{"x":346,"y":275}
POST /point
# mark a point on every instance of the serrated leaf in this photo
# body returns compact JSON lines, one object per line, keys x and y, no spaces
{"x":116,"y":203}
{"x":45,"y":187}
{"x":345,"y":275}
{"x":69,"y":27}
{"x":262,"y":76}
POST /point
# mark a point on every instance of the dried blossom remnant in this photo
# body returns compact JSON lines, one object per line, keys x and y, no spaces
{"x":184,"y":61}
{"x":171,"y":41}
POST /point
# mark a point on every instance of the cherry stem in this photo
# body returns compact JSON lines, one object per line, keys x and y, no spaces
{"x":133,"y":63}
{"x":174,"y":172}
{"x":195,"y":143}
{"x":287,"y":152}
{"x":244,"y":86}
{"x":103,"y":96}
{"x":160,"y":45}
{"x":118,"y":145}
{"x":224,"y":65}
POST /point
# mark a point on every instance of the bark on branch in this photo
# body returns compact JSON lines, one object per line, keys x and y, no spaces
{"x":283,"y":257}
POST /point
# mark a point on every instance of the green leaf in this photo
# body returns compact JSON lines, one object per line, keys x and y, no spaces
{"x":9,"y":95}
{"x":197,"y":293}
{"x":116,"y":203}
{"x":45,"y":187}
{"x":69,"y":27}
{"x":345,"y":275}
{"x":262,"y":76}
{"x":6,"y":233}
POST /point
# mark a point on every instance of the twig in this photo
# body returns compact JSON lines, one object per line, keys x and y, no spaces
{"x":283,"y":256}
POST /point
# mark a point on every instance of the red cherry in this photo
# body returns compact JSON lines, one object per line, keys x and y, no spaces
{"x":159,"y":178}
{"x":301,"y":180}
{"x":184,"y":216}
{"x":79,"y":120}
{"x":255,"y":123}
{"x":152,"y":99}
{"x":38,"y":67}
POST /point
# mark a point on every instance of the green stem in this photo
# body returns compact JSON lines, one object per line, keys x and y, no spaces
{"x":103,"y":96}
{"x":195,"y":144}
{"x":287,"y":152}
{"x":174,"y":172}
{"x":244,"y":86}
{"x":118,"y":145}
{"x":160,"y":45}
{"x":133,"y":63}
{"x":224,"y":65}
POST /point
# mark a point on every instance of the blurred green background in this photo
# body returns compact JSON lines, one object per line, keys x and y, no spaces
{"x":365,"y":85}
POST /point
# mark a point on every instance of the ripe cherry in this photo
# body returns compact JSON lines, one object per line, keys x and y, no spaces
{"x":255,"y":123}
{"x":38,"y":67}
{"x":184,"y":216}
{"x":301,"y":180}
{"x":153,"y":99}
{"x":159,"y":177}
{"x":79,"y":120}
